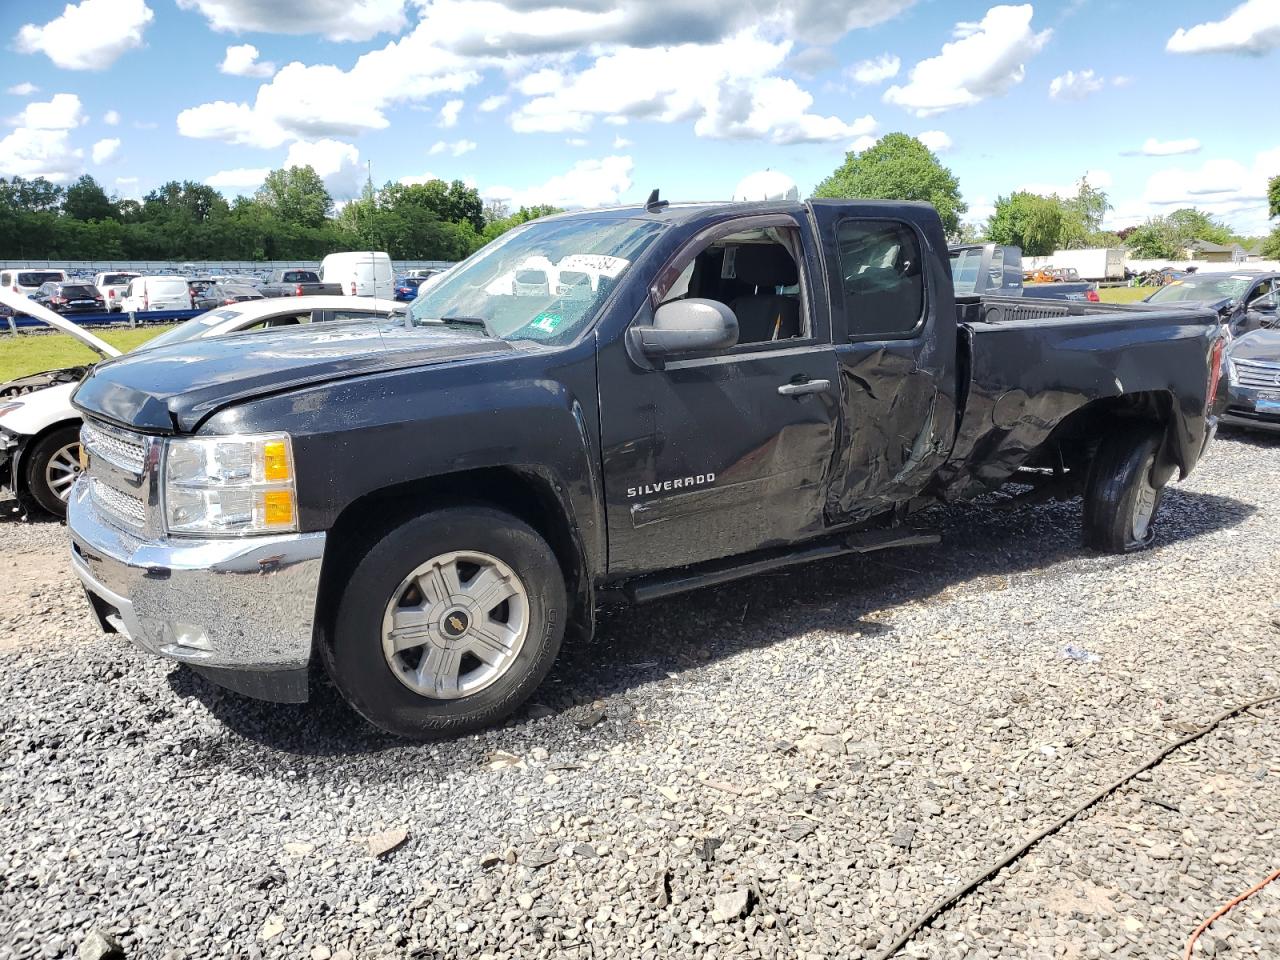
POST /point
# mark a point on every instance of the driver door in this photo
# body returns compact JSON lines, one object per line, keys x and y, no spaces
{"x":712,"y":455}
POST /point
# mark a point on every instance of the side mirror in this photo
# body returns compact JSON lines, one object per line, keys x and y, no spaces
{"x":1264,"y":305}
{"x":688,"y":326}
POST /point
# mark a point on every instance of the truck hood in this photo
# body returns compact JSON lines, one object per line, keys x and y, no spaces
{"x":21,"y":304}
{"x":1259,"y":345}
{"x":174,"y":388}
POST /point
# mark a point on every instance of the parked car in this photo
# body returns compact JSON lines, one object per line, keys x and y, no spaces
{"x":40,"y":430}
{"x":157,"y":293}
{"x":25,"y":283}
{"x":298,"y":283}
{"x":407,"y":288}
{"x":423,"y":273}
{"x":1230,"y":295}
{"x":1253,"y":374}
{"x":365,"y":274}
{"x":225,"y":294}
{"x":68,"y":296}
{"x":426,"y":508}
{"x":112,"y":287}
{"x":991,"y":269}
{"x":247,"y":279}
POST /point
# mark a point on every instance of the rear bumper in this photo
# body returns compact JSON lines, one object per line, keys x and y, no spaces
{"x":240,"y":611}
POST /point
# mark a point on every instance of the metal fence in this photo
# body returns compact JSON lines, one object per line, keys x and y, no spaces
{"x":196,"y":267}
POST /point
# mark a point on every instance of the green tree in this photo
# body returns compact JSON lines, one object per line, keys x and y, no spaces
{"x":1166,"y":238}
{"x":1273,"y":197}
{"x":30,"y":196}
{"x":1029,"y":221}
{"x":86,"y":200}
{"x":297,"y":195}
{"x":898,"y":167}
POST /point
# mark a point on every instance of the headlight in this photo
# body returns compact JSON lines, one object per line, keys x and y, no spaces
{"x":10,"y":406}
{"x":230,"y":486}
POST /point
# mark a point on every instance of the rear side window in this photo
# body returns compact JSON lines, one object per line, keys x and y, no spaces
{"x":882,"y":277}
{"x":79,"y":290}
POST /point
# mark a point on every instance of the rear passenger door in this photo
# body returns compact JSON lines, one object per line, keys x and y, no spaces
{"x":894,"y":327}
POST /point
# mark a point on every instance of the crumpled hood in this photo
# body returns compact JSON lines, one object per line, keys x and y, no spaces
{"x":174,"y":388}
{"x":1259,"y":345}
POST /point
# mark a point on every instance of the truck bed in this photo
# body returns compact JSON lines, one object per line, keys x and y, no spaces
{"x":1026,"y":367}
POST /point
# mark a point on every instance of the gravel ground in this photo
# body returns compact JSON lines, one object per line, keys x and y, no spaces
{"x":792,"y":766}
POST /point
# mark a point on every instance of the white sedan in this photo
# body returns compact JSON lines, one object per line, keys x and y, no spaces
{"x":40,"y":430}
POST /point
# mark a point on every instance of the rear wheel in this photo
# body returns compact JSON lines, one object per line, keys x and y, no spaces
{"x":1124,"y":490}
{"x":52,"y":466}
{"x":448,"y":623}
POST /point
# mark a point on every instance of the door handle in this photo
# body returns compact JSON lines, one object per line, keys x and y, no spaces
{"x":804,"y":387}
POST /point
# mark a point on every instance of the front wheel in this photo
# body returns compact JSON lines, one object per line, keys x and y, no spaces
{"x":52,"y":466}
{"x":1124,"y":490}
{"x":448,"y":623}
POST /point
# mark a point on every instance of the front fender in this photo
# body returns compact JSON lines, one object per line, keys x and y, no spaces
{"x":532,"y":412}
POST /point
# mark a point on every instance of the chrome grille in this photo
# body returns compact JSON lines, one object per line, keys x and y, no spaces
{"x":1257,"y":374}
{"x":119,"y":449}
{"x":131,"y":510}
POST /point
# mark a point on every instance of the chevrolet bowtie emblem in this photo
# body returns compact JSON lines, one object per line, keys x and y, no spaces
{"x":456,"y":623}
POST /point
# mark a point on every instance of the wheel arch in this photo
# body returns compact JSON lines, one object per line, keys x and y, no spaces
{"x":1077,"y":436}
{"x":527,"y":493}
{"x":18,"y":468}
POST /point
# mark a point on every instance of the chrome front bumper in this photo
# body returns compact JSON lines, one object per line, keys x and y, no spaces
{"x":240,"y":611}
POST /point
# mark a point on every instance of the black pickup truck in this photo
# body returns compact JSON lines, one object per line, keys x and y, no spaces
{"x":298,"y":283}
{"x":426,"y":507}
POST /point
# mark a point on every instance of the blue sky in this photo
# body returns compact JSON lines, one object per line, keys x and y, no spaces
{"x":583,"y":102}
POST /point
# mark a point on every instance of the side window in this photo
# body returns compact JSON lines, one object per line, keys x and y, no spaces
{"x":755,"y":273}
{"x":1260,"y":291}
{"x":882,"y":278}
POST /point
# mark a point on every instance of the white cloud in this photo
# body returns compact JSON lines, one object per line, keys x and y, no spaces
{"x":23,"y":89}
{"x":127,"y":186}
{"x":337,"y":163}
{"x":577,"y":141}
{"x":416,"y":181}
{"x":242,"y":61}
{"x":726,"y":90}
{"x":28,"y":152}
{"x":449,"y":113}
{"x":244,"y":177}
{"x":336,"y":19}
{"x":1223,"y":187}
{"x":935,"y":140}
{"x":111,"y":118}
{"x":1251,"y":28}
{"x":985,"y":60}
{"x":1152,"y":147}
{"x":536,"y":27}
{"x":105,"y":150}
{"x":621,"y":143}
{"x":1121,"y":80}
{"x":496,"y":102}
{"x":62,"y":111}
{"x":882,"y":68}
{"x":1075,"y":86}
{"x":590,"y":183}
{"x":864,"y":143}
{"x":458,"y":148}
{"x":90,"y":35}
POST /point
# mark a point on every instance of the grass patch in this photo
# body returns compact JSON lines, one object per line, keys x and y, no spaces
{"x":35,"y":352}
{"x":1125,"y":294}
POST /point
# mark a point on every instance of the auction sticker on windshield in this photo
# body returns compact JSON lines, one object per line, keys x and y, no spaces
{"x":547,"y":322}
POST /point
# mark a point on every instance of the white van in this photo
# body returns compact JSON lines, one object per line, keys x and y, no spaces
{"x":366,"y":274}
{"x":156,"y":293}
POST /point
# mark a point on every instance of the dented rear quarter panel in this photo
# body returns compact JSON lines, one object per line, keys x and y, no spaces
{"x":1028,"y":375}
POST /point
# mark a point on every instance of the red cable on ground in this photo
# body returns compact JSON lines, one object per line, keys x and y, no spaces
{"x":1222,"y":911}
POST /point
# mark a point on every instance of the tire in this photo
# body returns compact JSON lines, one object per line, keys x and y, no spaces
{"x":402,"y":592}
{"x":50,"y":468}
{"x":1124,"y":490}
